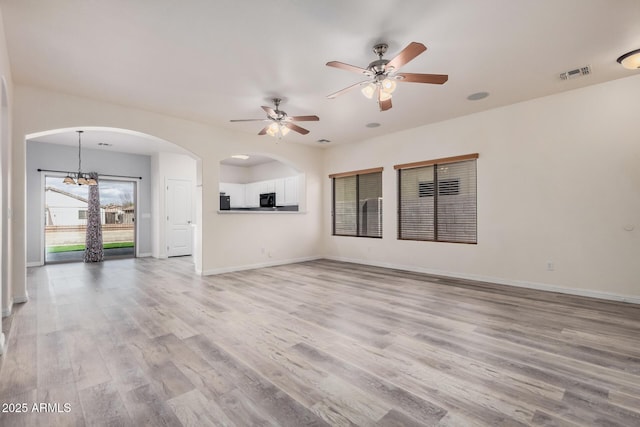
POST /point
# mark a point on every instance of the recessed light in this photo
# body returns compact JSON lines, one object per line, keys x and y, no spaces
{"x":240,"y":156}
{"x":323,"y":141}
{"x":477,"y":96}
{"x":372,"y":125}
{"x":104,"y":144}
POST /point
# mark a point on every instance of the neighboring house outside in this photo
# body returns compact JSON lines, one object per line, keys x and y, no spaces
{"x":116,"y":214}
{"x":66,"y":209}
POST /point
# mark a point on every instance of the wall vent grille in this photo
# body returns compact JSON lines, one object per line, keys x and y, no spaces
{"x":578,"y":72}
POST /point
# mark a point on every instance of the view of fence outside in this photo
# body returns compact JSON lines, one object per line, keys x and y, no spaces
{"x":66,"y":215}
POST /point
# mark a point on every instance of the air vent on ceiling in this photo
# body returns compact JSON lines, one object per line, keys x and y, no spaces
{"x":582,"y":71}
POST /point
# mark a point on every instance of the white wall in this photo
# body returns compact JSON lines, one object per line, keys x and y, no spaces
{"x":558,"y":181}
{"x":6,"y":227}
{"x":261,"y":172}
{"x":234,"y":174}
{"x":270,"y":170}
{"x":62,"y":157}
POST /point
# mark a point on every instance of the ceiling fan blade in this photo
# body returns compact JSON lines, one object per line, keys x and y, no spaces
{"x":348,"y":67}
{"x":263,"y":131}
{"x":346,"y":89}
{"x":436,"y":79}
{"x":269,"y":111}
{"x":304,"y":118}
{"x":384,"y":105}
{"x":297,"y":128}
{"x":407,"y":54}
{"x":250,"y":120}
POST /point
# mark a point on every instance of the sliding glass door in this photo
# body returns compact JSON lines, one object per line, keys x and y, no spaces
{"x":65,"y":211}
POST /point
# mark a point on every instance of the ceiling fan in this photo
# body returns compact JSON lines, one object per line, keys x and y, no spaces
{"x":280,"y":121}
{"x":382,"y":74}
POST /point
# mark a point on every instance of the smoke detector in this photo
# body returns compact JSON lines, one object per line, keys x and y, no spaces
{"x":578,"y":72}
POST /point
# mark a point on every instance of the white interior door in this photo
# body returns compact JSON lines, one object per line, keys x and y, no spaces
{"x":179,"y":233}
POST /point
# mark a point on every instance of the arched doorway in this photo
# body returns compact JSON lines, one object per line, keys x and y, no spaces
{"x":5,"y":297}
{"x":130,"y":189}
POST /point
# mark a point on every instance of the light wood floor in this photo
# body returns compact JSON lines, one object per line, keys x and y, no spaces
{"x":146,"y":342}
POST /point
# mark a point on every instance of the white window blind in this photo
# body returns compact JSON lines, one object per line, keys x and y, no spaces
{"x":370,"y":204}
{"x":446,"y":215}
{"x":345,"y":206}
{"x":357,"y":203}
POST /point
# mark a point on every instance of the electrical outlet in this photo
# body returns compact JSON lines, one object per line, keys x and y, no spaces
{"x":550,"y":266}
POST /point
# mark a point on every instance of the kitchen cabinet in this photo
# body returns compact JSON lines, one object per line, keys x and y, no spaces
{"x":279,"y":190}
{"x":290,"y":191}
{"x":248,"y":195}
{"x":236,"y":194}
{"x":252,"y":194}
{"x":268,"y":186}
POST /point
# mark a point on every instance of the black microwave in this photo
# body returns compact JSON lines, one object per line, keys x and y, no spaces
{"x":268,"y":200}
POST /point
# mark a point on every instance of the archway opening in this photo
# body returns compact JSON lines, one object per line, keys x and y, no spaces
{"x":259,"y":182}
{"x":133,"y":164}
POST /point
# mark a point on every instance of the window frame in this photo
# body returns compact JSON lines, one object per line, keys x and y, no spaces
{"x":357,"y":174}
{"x":436,"y":193}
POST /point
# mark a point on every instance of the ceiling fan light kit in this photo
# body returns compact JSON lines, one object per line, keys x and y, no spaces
{"x":277,"y":130}
{"x":382,"y":74}
{"x":281,"y":123}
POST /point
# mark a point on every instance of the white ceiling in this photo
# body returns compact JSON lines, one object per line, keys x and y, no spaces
{"x":253,"y":160}
{"x":123,"y":142}
{"x":213,"y":61}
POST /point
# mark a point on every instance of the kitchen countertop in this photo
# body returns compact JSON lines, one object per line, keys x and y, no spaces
{"x":277,"y":209}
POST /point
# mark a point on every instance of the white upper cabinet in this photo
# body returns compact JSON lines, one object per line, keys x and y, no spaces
{"x":248,"y":195}
{"x":280,"y":196}
{"x":236,"y":195}
{"x":252,"y":194}
{"x":290,"y":191}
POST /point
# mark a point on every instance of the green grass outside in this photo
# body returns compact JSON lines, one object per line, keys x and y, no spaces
{"x":71,"y":248}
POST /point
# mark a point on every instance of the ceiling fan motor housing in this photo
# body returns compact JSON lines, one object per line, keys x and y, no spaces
{"x":378,"y":67}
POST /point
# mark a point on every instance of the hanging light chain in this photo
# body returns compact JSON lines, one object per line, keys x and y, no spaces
{"x":79,"y":154}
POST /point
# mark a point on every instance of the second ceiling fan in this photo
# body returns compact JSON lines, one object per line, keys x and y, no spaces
{"x":382,"y":74}
{"x":280,"y":122}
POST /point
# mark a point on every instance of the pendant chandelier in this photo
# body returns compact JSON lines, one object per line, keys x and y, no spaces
{"x":79,"y":178}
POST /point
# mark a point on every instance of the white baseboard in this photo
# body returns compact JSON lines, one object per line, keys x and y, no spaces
{"x":254,"y":266}
{"x":144,"y":255}
{"x":21,"y":299}
{"x":35,"y":264}
{"x":2,"y":341}
{"x":6,"y":312}
{"x":498,"y":280}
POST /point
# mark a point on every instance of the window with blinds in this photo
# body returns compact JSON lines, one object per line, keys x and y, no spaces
{"x":357,"y":203}
{"x":448,"y":214}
